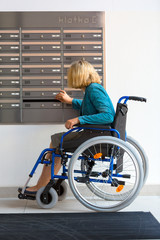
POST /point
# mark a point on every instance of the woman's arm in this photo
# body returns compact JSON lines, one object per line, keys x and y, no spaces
{"x":76,"y":104}
{"x":99,"y":118}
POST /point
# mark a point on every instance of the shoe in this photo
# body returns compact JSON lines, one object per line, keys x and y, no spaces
{"x":30,"y":193}
{"x":27,"y":192}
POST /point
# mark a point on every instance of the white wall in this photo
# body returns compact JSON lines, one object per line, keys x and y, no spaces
{"x":133,"y":60}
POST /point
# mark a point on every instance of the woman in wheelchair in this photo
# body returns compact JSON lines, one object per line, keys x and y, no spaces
{"x":107,"y":168}
{"x":95,"y":108}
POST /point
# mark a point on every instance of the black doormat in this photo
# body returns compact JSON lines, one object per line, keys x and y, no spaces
{"x":75,"y":226}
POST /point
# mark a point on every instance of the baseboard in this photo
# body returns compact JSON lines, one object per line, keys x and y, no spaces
{"x":147,"y":190}
{"x":150,"y":190}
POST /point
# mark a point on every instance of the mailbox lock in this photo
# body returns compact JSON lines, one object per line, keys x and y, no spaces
{"x":42,"y":70}
{"x":82,"y":35}
{"x":1,"y":94}
{"x":42,"y":36}
{"x":83,"y":47}
{"x":42,"y":47}
{"x":1,"y":105}
{"x":83,"y":59}
{"x":42,"y":93}
{"x":1,"y":83}
{"x":42,"y":82}
{"x":42,"y":59}
{"x":42,"y":105}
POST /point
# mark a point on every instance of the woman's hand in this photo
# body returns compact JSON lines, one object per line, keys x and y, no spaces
{"x":71,"y":122}
{"x":64,"y":97}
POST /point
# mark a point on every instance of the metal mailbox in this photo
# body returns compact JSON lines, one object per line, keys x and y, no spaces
{"x":41,"y":58}
{"x":36,"y":50}
{"x":42,"y":105}
{"x":40,"y":93}
{"x":42,"y":80}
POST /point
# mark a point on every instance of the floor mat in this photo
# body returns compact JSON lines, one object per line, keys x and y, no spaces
{"x":84,"y":226}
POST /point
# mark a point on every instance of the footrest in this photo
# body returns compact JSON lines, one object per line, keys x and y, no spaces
{"x":23,"y":196}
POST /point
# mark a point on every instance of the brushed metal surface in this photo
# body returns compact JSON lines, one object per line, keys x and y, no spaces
{"x":36,"y":50}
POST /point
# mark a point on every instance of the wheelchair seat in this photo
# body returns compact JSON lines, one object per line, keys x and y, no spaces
{"x":89,"y":131}
{"x":93,"y":130}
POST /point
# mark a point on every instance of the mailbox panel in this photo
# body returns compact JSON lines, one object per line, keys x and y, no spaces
{"x":36,"y":50}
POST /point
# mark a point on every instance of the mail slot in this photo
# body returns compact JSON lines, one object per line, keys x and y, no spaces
{"x":9,"y":105}
{"x":42,"y":105}
{"x":9,"y":93}
{"x":41,"y":46}
{"x":41,"y":34}
{"x":9,"y":81}
{"x":9,"y":47}
{"x":82,"y":34}
{"x":42,"y":81}
{"x":41,"y":58}
{"x":9,"y":69}
{"x":9,"y":34}
{"x":40,"y":93}
{"x":9,"y":58}
{"x":82,"y":45}
{"x":41,"y":69}
{"x":94,"y":58}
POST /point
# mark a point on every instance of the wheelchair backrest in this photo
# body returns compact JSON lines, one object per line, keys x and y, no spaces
{"x":120,"y":118}
{"x":119,"y":124}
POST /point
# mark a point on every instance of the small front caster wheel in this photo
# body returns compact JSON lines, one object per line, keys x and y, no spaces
{"x":62,"y":191}
{"x":52,"y":198}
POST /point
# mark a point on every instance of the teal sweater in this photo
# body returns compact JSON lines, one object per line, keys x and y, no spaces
{"x":96,"y":106}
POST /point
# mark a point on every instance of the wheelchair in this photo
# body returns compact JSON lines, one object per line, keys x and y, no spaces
{"x":106,"y":169}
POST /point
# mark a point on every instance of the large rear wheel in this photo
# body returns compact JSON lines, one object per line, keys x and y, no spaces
{"x":98,"y":181}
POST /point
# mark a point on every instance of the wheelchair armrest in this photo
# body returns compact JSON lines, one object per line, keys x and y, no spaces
{"x":93,"y":126}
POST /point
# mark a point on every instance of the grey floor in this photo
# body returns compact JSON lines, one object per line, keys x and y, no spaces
{"x":14,"y":205}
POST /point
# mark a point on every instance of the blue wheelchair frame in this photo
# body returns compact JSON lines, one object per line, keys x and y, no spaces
{"x":65,"y":170}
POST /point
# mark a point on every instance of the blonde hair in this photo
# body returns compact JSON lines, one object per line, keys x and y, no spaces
{"x":81,"y":74}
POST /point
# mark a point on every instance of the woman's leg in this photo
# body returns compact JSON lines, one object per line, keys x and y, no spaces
{"x":46,"y":173}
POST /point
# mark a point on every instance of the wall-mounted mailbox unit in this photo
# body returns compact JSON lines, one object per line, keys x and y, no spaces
{"x":36,"y":49}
